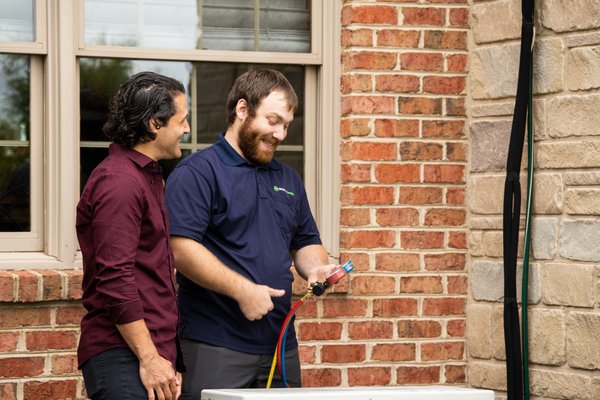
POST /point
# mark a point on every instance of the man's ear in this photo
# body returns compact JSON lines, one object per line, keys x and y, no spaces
{"x":154,"y":125}
{"x":241,"y":109}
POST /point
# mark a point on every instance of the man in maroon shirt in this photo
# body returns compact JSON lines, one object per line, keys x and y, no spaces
{"x":129,"y":347}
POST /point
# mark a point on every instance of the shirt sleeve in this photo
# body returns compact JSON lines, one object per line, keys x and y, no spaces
{"x":117,"y":216}
{"x":307,"y":232}
{"x":188,"y":196}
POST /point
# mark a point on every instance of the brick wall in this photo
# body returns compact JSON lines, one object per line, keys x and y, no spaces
{"x":404,"y":156}
{"x":564,"y":277}
{"x":40,"y":312}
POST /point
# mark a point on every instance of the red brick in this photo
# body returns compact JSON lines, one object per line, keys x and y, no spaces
{"x":422,"y":240}
{"x":369,"y":376}
{"x":420,"y":195}
{"x":64,"y":364}
{"x":356,"y":173}
{"x":20,"y":367}
{"x":456,"y":107}
{"x":368,"y":105}
{"x":367,"y":239}
{"x":368,"y":151}
{"x":445,"y":217}
{"x":456,"y":151}
{"x":369,"y":60}
{"x":397,"y":173}
{"x":373,"y":195}
{"x":50,"y":340}
{"x":74,"y":285}
{"x":63,"y":389}
{"x":360,"y":259}
{"x":18,"y":317}
{"x":345,"y":307}
{"x":418,"y":375}
{"x":396,"y":128}
{"x":307,"y":354}
{"x":69,"y":315}
{"x":421,"y":284}
{"x":420,"y":105}
{"x":355,"y":217}
{"x":398,"y":38}
{"x":456,"y":328}
{"x":345,"y":353}
{"x":309,"y":309}
{"x":422,"y":62}
{"x":421,"y":151}
{"x":52,"y":285}
{"x":444,"y":129}
{"x":457,"y":63}
{"x":448,"y":1}
{"x":446,"y":40}
{"x":424,"y":16}
{"x":444,"y":84}
{"x":355,"y":127}
{"x":419,"y":329}
{"x":445,"y":262}
{"x":27,"y":289}
{"x":321,"y":377}
{"x":8,"y":341}
{"x":394,"y":352}
{"x":397,"y":83}
{"x":455,"y":196}
{"x":319,"y":331}
{"x":442,"y":351}
{"x":457,"y":240}
{"x":444,"y":306}
{"x":7,"y":286}
{"x":394,"y":307}
{"x":455,"y":374}
{"x":458,"y":284}
{"x":373,"y":285}
{"x":351,"y":83}
{"x":371,"y":15}
{"x":397,"y":217}
{"x":8,"y":391}
{"x":357,"y":37}
{"x":459,"y":17}
{"x":444,"y":173}
{"x":370,"y":330}
{"x":397,"y":262}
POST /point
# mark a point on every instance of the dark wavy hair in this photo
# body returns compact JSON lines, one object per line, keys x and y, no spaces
{"x":146,"y":95}
{"x":256,"y":84}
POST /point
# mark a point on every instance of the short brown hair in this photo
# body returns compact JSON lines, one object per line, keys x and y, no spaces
{"x":253,"y":86}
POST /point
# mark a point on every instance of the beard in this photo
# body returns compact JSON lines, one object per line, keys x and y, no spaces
{"x":250,"y":140}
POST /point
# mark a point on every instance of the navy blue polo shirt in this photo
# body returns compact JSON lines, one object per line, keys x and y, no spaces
{"x":249,"y":217}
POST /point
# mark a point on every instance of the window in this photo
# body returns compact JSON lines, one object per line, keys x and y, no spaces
{"x":64,"y":80}
{"x":21,"y":42}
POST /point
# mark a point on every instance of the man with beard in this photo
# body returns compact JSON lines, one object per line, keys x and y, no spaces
{"x":238,"y":220}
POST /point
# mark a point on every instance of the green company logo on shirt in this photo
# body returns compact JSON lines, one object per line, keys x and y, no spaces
{"x":280,"y":189}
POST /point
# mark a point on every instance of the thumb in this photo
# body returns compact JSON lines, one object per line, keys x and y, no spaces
{"x":276,"y":292}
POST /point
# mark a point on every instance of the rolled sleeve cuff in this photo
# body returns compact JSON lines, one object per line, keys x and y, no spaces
{"x":124,"y":313}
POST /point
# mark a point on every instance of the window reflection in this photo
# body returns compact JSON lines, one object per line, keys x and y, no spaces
{"x":17,"y":21}
{"x":244,"y":25}
{"x":15,"y":212}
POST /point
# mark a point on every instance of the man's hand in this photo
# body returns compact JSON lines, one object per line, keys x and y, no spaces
{"x":255,"y":300}
{"x":320,"y":273}
{"x":158,"y":377}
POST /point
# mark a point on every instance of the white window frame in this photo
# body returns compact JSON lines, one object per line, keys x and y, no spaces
{"x":58,"y":97}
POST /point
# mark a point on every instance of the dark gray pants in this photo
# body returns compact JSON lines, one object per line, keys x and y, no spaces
{"x":212,"y":367}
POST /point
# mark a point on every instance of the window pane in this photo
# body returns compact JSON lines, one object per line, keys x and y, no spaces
{"x":207,"y":86}
{"x":16,"y":21}
{"x":15,"y":213}
{"x":282,"y":26}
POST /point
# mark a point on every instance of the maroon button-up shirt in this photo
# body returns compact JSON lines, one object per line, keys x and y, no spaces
{"x":123,"y":233}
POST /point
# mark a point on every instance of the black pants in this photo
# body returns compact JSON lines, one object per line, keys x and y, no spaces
{"x":114,"y":375}
{"x":212,"y":367}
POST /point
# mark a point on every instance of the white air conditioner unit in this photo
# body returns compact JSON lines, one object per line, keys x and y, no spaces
{"x":353,"y":393}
